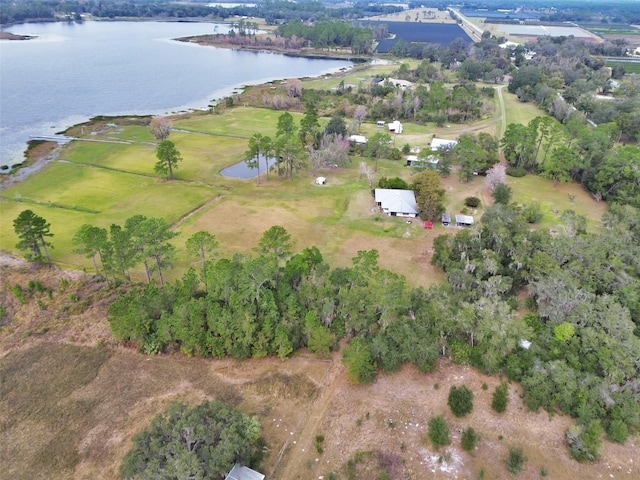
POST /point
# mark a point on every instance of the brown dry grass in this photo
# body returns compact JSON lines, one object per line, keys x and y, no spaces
{"x":69,"y":405}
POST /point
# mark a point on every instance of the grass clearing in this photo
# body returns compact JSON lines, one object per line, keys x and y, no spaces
{"x":519,"y":112}
{"x":557,"y":198}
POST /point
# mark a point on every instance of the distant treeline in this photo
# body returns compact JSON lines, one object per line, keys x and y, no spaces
{"x":273,"y":11}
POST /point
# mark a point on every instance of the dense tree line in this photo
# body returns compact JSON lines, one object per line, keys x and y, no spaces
{"x":330,"y":34}
{"x":564,"y":77}
{"x":583,"y":299}
{"x":584,"y":292}
{"x":275,"y":12}
{"x":577,"y":152}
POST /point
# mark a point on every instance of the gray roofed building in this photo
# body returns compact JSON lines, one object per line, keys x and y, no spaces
{"x":397,"y":203}
{"x":240,"y":472}
{"x":464,"y":220}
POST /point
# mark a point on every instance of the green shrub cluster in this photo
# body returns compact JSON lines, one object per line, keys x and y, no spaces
{"x":460,"y":400}
{"x":472,"y":202}
{"x":500,"y":398}
{"x":439,"y":431}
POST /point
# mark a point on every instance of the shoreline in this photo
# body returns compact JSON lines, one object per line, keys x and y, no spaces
{"x":219,"y":42}
{"x":33,"y":162}
{"x":12,"y":36}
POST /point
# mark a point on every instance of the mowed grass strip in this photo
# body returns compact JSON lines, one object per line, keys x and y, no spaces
{"x":520,"y":112}
{"x":240,"y":122}
{"x":137,"y":158}
{"x":115,"y":195}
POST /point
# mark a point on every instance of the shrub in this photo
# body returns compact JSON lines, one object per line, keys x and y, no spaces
{"x":516,"y":172}
{"x":502,"y":194}
{"x":460,"y":400}
{"x":469,"y":440}
{"x":18,"y":292}
{"x":617,"y":431}
{"x":532,"y":213}
{"x":439,"y":431}
{"x":584,"y":443}
{"x":394,"y":183}
{"x":515,"y":460}
{"x":472,"y":202}
{"x":500,"y":397}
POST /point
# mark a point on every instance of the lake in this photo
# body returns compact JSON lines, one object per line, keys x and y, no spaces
{"x":75,"y":71}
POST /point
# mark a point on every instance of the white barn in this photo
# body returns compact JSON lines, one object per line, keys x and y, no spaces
{"x":397,"y":203}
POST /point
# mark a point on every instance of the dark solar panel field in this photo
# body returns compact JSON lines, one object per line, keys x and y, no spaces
{"x":416,"y":32}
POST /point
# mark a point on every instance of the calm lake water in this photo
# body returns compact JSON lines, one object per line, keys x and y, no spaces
{"x":73,"y":72}
{"x":242,"y":170}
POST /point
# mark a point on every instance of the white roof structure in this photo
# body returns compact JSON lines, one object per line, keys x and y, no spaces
{"x":399,"y":83}
{"x":240,"y":472}
{"x":438,"y":143}
{"x":358,"y":139}
{"x":464,"y":220}
{"x":395,"y":126}
{"x":401,"y":203}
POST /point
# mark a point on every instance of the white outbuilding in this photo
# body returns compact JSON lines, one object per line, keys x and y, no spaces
{"x":442,"y":144}
{"x":395,"y":127}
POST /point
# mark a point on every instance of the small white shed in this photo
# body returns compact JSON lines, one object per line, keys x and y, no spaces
{"x":395,"y":127}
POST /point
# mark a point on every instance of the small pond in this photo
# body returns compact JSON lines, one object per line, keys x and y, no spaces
{"x":242,"y":170}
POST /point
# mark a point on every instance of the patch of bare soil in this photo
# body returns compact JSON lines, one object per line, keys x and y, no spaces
{"x":314,"y":421}
{"x":45,"y":302}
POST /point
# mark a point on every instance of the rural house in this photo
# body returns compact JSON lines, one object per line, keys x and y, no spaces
{"x":442,"y":144}
{"x":430,"y":162}
{"x":397,"y":203}
{"x":402,"y":84}
{"x":240,"y":472}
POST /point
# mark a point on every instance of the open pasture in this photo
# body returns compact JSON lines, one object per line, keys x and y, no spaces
{"x":102,"y":182}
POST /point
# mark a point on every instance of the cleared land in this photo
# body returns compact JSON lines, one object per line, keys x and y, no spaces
{"x":71,"y":399}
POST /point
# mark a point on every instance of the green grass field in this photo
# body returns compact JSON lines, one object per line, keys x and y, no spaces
{"x":111,"y":178}
{"x":629,"y":67}
{"x":519,"y":112}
